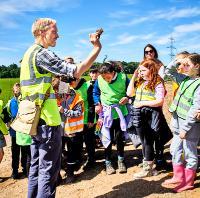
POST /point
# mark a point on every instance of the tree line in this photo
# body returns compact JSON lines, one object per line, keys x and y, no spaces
{"x":13,"y":70}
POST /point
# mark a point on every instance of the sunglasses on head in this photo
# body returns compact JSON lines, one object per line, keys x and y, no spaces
{"x":150,"y":51}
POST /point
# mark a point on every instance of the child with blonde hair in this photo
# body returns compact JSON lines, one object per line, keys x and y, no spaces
{"x":184,"y":123}
{"x":180,"y":69}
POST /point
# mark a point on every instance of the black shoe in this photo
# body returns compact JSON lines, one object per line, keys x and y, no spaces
{"x":59,"y":180}
{"x":70,"y":179}
{"x":24,"y":173}
{"x":15,"y":175}
{"x":163,"y":165}
{"x":89,"y":165}
{"x":1,"y":180}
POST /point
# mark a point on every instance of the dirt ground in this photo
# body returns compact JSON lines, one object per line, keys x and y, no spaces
{"x":96,"y":183}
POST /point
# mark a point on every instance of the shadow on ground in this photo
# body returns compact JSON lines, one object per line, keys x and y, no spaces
{"x":137,"y":188}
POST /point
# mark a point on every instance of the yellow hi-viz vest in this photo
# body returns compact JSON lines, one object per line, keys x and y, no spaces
{"x":144,"y":94}
{"x":34,"y":86}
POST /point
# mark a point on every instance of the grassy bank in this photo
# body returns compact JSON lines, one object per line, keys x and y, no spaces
{"x":6,"y":85}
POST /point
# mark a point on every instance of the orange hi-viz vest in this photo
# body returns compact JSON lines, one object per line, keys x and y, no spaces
{"x":74,"y":124}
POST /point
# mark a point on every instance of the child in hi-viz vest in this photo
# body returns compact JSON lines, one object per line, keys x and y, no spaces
{"x":147,"y":117}
{"x":3,"y":131}
{"x":184,"y":123}
{"x":72,"y":108}
{"x":180,"y":69}
{"x":84,"y":88}
{"x":110,"y":103}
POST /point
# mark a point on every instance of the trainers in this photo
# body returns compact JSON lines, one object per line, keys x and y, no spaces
{"x":122,"y":166}
{"x":147,"y":171}
{"x":1,"y":180}
{"x":140,"y":165}
{"x":109,"y":169}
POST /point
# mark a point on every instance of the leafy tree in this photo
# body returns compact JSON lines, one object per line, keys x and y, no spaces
{"x":11,"y":71}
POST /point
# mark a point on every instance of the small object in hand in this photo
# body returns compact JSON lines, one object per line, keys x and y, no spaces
{"x":99,"y":32}
{"x":67,"y":79}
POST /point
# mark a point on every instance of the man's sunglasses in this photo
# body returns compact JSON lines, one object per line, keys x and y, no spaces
{"x":150,"y":51}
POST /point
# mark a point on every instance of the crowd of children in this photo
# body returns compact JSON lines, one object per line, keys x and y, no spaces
{"x":102,"y":101}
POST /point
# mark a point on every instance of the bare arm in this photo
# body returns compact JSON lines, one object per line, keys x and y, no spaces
{"x":131,"y":89}
{"x":86,"y":64}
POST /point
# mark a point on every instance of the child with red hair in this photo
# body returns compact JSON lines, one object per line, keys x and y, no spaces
{"x":147,"y":117}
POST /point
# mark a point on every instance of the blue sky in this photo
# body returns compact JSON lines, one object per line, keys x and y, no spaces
{"x":128,"y":24}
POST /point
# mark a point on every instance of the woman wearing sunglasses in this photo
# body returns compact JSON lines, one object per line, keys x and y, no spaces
{"x":150,"y":52}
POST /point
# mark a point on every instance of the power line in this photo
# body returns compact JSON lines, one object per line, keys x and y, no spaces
{"x":171,"y":47}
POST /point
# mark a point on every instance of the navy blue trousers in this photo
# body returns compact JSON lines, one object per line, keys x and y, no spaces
{"x":45,"y":162}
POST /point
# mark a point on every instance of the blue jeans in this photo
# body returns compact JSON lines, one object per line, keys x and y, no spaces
{"x":45,"y":162}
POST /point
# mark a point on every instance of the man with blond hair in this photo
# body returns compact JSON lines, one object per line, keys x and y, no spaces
{"x":37,"y":67}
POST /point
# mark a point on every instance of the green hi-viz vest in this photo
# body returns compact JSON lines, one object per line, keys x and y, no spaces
{"x":34,"y":85}
{"x":111,"y":93}
{"x":3,"y":127}
{"x":83,"y":93}
{"x":184,"y":97}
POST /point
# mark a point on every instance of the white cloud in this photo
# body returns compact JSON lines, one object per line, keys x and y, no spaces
{"x":119,"y":14}
{"x":174,"y":13}
{"x":83,"y":41}
{"x":9,"y":49}
{"x":9,"y":9}
{"x":126,"y":38}
{"x":169,"y":14}
{"x":179,"y":32}
{"x":187,"y":28}
{"x":85,"y":30}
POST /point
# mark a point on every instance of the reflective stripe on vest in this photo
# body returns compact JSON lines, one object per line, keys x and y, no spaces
{"x":34,"y":86}
{"x":40,"y":96}
{"x":74,"y":124}
{"x":143,"y":94}
{"x":44,"y":79}
{"x":37,"y":84}
{"x":184,"y":97}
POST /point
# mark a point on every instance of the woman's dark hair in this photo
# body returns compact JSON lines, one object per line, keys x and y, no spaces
{"x":153,"y":48}
{"x":109,"y":67}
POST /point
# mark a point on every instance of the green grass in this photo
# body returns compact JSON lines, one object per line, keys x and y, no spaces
{"x":6,"y":85}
